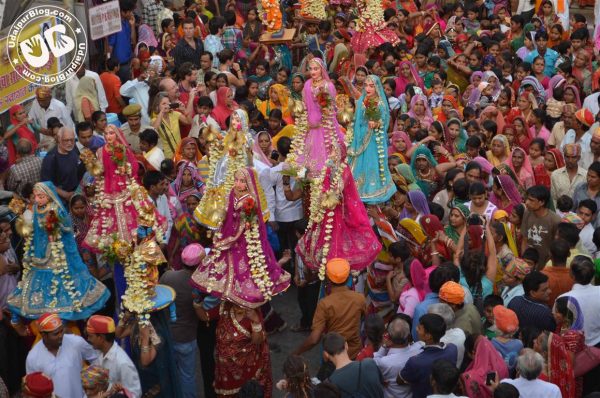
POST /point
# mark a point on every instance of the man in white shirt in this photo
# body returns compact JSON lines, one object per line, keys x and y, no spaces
{"x":121,"y":370}
{"x":286,"y":212}
{"x":455,"y":336}
{"x":392,"y":357}
{"x":591,"y":103}
{"x":60,"y":356}
{"x":43,"y":108}
{"x":138,"y":90}
{"x":71,"y":88}
{"x":581,"y":133}
{"x":530,"y":365}
{"x":586,"y":210}
{"x":157,"y":185}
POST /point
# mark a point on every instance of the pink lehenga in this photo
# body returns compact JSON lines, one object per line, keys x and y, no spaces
{"x":338,"y":222}
{"x":242,"y":267}
{"x":115,"y":211}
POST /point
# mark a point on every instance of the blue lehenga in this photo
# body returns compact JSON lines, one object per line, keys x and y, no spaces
{"x":55,"y":278}
{"x":368,"y":153}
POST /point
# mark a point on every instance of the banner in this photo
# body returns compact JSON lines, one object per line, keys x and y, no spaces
{"x":13,"y":88}
{"x":105,"y":19}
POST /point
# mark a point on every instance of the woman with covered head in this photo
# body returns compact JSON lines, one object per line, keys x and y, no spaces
{"x":505,"y":193}
{"x":224,"y":107}
{"x":368,"y":150}
{"x":500,"y":150}
{"x":419,"y":109}
{"x":55,"y":279}
{"x":86,"y":99}
{"x":424,"y":169}
{"x":279,"y":98}
{"x":21,"y":127}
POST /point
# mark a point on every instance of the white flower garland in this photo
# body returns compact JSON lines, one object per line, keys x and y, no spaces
{"x":257,"y":260}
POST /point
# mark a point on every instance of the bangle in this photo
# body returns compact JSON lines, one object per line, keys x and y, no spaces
{"x":146,"y":348}
{"x":257,"y":327}
{"x":435,"y":253}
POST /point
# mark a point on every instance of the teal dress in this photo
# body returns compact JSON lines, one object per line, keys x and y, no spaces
{"x":47,"y":285}
{"x":368,"y":152}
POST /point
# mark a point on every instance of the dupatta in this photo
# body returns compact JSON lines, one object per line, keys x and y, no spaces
{"x":221,"y":111}
{"x":21,"y":132}
{"x":402,"y":82}
{"x":459,"y":144}
{"x":491,"y":157}
{"x":486,"y":359}
{"x":526,"y":172}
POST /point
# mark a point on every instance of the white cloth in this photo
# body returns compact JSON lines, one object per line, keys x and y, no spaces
{"x":198,"y":124}
{"x":534,"y":388}
{"x":155,"y":156}
{"x":524,"y":6}
{"x":121,"y":369}
{"x":71,"y":87}
{"x":162,"y":205}
{"x":510,"y":293}
{"x":264,"y":179}
{"x":40,"y":117}
{"x":285,"y":210}
{"x":588,"y":297}
{"x":591,"y":101}
{"x":586,"y":238}
{"x":65,"y":368}
{"x":457,"y":337}
{"x":138,"y":91}
{"x":390,"y":363}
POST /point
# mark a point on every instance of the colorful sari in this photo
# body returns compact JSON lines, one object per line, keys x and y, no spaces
{"x":258,"y":152}
{"x":425,"y":119}
{"x":407,"y":173}
{"x":283,"y":95}
{"x":26,"y":131}
{"x":197,"y":184}
{"x":561,"y":348}
{"x":179,"y":151}
{"x":221,"y":111}
{"x":458,"y":144}
{"x":431,"y":225}
{"x":486,"y":359}
{"x":238,"y":359}
{"x":510,"y":191}
{"x":413,"y":292}
{"x":450,"y":231}
{"x":397,"y":136}
{"x":402,"y":81}
{"x":525,"y":174}
{"x":494,"y":160}
{"x":431,"y":184}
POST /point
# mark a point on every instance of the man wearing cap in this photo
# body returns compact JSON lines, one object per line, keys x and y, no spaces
{"x":514,"y":273}
{"x":60,"y":356}
{"x":184,"y":329}
{"x":581,"y":133}
{"x":467,"y":316}
{"x":43,"y":108}
{"x":37,"y":385}
{"x":71,"y":87}
{"x":564,"y":180}
{"x":121,"y":370}
{"x":134,"y":126}
{"x":341,"y":311}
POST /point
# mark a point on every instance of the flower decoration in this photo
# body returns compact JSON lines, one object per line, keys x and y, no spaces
{"x":372,"y":112}
{"x":51,"y":223}
{"x":249,"y":211}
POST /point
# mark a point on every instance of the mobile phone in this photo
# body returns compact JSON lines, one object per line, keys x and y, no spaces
{"x":174,"y":105}
{"x":489,"y":378}
{"x":274,"y":155}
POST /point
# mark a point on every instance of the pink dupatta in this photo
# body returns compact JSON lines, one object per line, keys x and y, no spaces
{"x":486,"y":359}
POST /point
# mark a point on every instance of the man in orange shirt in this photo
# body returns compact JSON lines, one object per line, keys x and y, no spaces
{"x":559,"y":277}
{"x":112,"y":85}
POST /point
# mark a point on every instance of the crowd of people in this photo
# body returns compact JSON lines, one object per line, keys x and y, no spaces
{"x":425,"y":174}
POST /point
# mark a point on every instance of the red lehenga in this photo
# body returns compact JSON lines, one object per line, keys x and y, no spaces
{"x":238,"y":359}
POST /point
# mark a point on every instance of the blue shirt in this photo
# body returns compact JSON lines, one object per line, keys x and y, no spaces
{"x":421,"y":309}
{"x":533,"y":314}
{"x":417,"y":371}
{"x":121,"y":43}
{"x":550,"y":58}
{"x":509,"y":351}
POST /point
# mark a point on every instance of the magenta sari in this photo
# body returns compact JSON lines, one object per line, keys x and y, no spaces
{"x":316,"y":150}
{"x":352,"y":237}
{"x":114,"y":211}
{"x":227,"y":271}
{"x":486,"y":359}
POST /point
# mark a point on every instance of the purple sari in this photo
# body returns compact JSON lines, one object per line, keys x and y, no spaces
{"x":227,"y":271}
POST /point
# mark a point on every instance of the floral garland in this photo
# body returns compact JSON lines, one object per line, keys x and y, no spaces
{"x":270,"y":14}
{"x":313,"y":9}
{"x":118,"y":155}
{"x":370,"y":14}
{"x":256,"y":257}
{"x":373,"y":114}
{"x":297,"y":146}
{"x":138,"y":293}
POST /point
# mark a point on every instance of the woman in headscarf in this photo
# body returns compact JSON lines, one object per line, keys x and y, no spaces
{"x":262,"y":148}
{"x":474,"y":79}
{"x":410,"y":230}
{"x":224,"y":107}
{"x":449,"y":105}
{"x":406,"y":172}
{"x":188,"y":151}
{"x":457,"y":221}
{"x":187,"y":182}
{"x":571,"y":96}
{"x":419,"y":109}
{"x":416,"y":288}
{"x":400,"y":144}
{"x":186,"y":229}
{"x":582,"y":70}
{"x":455,"y":137}
{"x":505,"y":194}
{"x":408,"y":75}
{"x":523,"y":136}
{"x":484,"y":359}
{"x":491,"y":78}
{"x":492,"y":113}
{"x":297,"y":86}
{"x":553,"y":159}
{"x":341,"y":50}
{"x":564,"y":344}
{"x":500,"y":150}
{"x":21,"y":127}
{"x":439,"y":248}
{"x":423,"y":166}
{"x":86,"y":99}
{"x":416,"y":206}
{"x":279,"y":98}
{"x":519,"y":163}
{"x":529,"y":83}
{"x":506,"y":249}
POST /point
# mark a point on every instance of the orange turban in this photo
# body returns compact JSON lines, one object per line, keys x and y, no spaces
{"x":49,"y":322}
{"x":506,"y":320}
{"x":99,"y":324}
{"x":338,"y":270}
{"x":453,"y":293}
